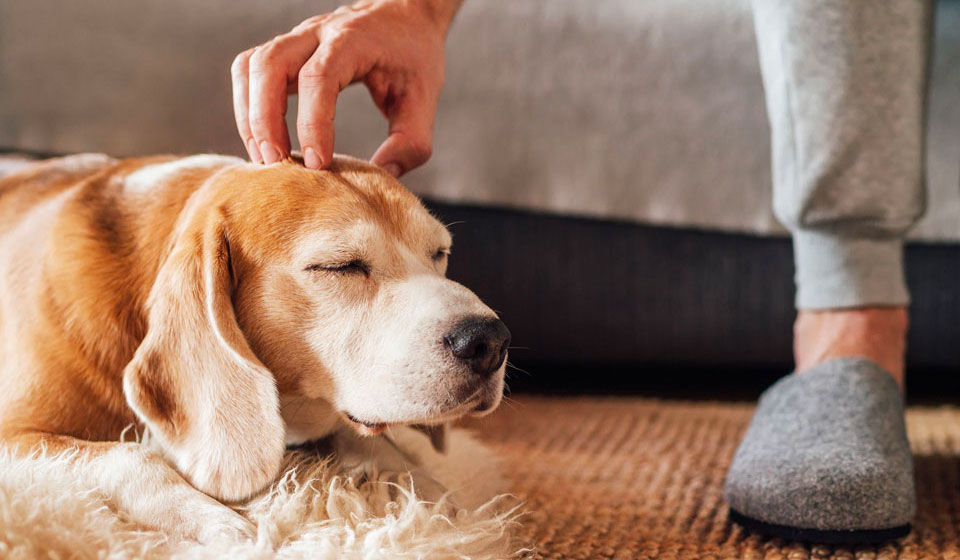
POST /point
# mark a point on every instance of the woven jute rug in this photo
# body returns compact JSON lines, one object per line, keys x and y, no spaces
{"x":639,"y":478}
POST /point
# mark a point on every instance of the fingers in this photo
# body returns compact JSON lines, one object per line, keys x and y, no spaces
{"x":272,"y":67}
{"x":320,"y":81}
{"x":410,"y":142}
{"x":400,"y":61}
{"x":239,"y":73}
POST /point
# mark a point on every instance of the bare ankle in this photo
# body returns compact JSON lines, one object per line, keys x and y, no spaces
{"x":876,"y":333}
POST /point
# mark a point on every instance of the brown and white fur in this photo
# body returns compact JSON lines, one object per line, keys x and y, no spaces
{"x":228,"y":309}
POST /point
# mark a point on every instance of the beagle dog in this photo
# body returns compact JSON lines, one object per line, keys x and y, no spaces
{"x":225,"y":309}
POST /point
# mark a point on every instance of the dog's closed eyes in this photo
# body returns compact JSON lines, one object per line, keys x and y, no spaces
{"x":231,"y":309}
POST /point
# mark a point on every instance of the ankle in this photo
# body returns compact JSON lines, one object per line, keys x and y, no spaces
{"x":878,"y":334}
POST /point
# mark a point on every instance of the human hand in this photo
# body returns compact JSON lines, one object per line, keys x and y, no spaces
{"x":395,"y":47}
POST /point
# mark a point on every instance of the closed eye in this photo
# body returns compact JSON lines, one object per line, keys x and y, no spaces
{"x":355,"y":266}
{"x":440,"y":254}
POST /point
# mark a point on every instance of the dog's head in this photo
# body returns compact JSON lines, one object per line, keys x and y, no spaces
{"x":325,"y":285}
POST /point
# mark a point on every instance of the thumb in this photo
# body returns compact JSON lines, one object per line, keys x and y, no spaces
{"x":409,"y":143}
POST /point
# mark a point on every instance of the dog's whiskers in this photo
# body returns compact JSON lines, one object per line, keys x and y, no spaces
{"x":517,"y":369}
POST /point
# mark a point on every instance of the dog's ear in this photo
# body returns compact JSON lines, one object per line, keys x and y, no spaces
{"x":437,"y":435}
{"x":194,"y":381}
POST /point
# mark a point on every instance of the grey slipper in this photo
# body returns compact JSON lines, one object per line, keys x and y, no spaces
{"x":826,"y":458}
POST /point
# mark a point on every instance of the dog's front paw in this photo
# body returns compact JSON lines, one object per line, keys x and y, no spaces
{"x":225,"y":525}
{"x":232,"y":477}
{"x":201,"y":518}
{"x":165,"y":501}
{"x":220,"y":467}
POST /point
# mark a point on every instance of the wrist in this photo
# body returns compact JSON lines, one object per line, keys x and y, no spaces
{"x":438,"y":12}
{"x":443,"y":11}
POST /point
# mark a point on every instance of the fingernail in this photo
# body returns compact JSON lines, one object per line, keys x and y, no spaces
{"x":392,"y":169}
{"x":269,"y":153}
{"x":254,"y":151}
{"x":311,"y":159}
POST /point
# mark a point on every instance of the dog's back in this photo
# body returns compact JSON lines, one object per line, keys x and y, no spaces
{"x":30,"y":187}
{"x":80,"y":238}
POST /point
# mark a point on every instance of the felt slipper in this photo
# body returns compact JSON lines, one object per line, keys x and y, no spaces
{"x":826,"y":458}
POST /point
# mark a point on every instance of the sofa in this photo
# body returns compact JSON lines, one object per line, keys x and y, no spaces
{"x":604,"y":165}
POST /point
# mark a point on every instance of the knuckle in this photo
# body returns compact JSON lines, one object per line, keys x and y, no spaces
{"x":256,"y":60}
{"x":321,"y":69}
{"x":260,"y":125}
{"x":309,"y":25}
{"x":268,"y":53}
{"x":338,"y":40}
{"x":313,"y":128}
{"x":335,"y":30}
{"x":314,"y":75}
{"x":240,"y":63}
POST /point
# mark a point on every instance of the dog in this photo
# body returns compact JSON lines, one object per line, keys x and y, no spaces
{"x":227,"y":310}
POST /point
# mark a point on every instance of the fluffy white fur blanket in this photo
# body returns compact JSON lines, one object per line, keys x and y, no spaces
{"x":315,"y":510}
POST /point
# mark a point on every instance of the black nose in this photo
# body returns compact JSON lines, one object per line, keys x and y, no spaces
{"x":481,"y":342}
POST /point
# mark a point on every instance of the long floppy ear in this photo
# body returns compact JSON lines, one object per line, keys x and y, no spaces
{"x":195,"y":383}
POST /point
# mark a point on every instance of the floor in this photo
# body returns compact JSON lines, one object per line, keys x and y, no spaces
{"x":633,"y":477}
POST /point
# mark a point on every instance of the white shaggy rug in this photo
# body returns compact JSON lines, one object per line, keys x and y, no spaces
{"x":315,"y":510}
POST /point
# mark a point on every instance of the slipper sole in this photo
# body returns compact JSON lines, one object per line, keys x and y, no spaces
{"x":820,"y":536}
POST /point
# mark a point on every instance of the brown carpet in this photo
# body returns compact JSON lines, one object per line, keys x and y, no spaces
{"x":638,"y":478}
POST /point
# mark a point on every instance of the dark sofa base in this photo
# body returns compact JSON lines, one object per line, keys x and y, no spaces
{"x":581,"y":291}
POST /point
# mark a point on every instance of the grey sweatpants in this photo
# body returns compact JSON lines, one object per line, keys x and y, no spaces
{"x":845,"y":85}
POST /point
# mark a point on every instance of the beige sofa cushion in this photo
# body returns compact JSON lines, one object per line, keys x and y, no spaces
{"x":650,"y":111}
